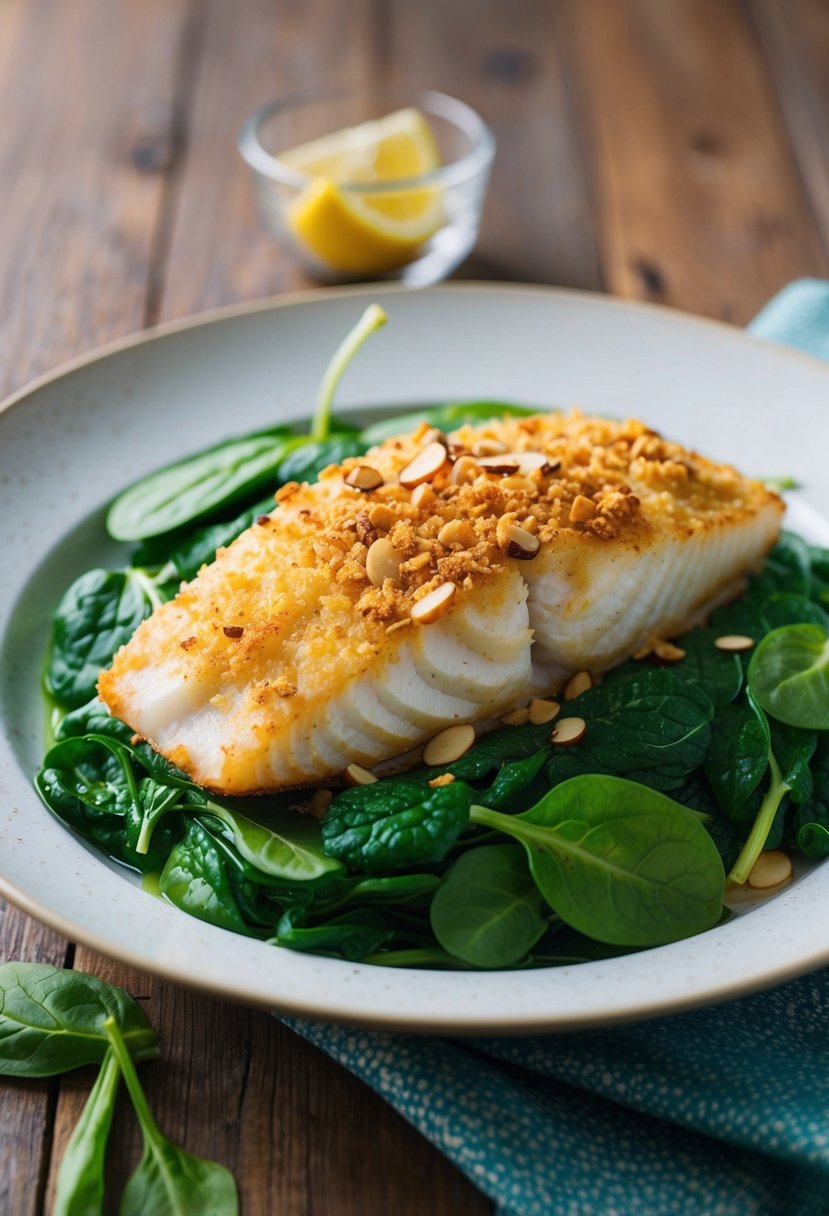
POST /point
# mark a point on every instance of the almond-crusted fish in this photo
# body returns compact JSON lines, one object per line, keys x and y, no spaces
{"x":434,"y":580}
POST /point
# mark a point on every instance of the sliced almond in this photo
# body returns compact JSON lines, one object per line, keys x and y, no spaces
{"x":449,"y":745}
{"x":770,"y":870}
{"x":505,"y":463}
{"x":488,"y":447}
{"x":423,"y":496}
{"x":577,"y":684}
{"x":464,"y":470}
{"x":734,"y":642}
{"x":443,"y":779}
{"x":355,"y":774}
{"x":383,"y":561}
{"x":516,"y":541}
{"x":517,"y":717}
{"x":434,"y":604}
{"x":457,"y":532}
{"x":668,"y":653}
{"x":433,"y":435}
{"x":568,"y":731}
{"x":364,"y":477}
{"x":427,"y":464}
{"x":528,"y":462}
{"x":542,"y":711}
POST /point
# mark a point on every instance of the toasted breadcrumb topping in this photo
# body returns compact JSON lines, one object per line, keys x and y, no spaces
{"x":602,"y":481}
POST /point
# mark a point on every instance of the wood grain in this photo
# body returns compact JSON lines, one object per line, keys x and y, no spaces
{"x":795,"y":39}
{"x":91,"y":87}
{"x":26,"y":1107}
{"x":512,"y":62}
{"x":675,"y":151}
{"x":699,"y":202}
{"x":219,"y":252}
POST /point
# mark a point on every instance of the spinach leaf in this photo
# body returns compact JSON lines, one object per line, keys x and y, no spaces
{"x":53,"y":1020}
{"x":766,"y":819}
{"x":738,"y":756}
{"x":80,"y":1181}
{"x":444,"y":417}
{"x":810,"y":822}
{"x":398,"y":890}
{"x":196,"y":878}
{"x":650,"y":726}
{"x":618,"y":861}
{"x":395,"y":824}
{"x":154,"y":801}
{"x":91,"y":773}
{"x":98,"y":614}
{"x":192,"y":489}
{"x":352,"y":935}
{"x":789,"y":676}
{"x":93,"y":718}
{"x":515,"y":783}
{"x":305,"y":463}
{"x":168,"y":1181}
{"x":719,"y":674}
{"x":281,"y":844}
{"x":787,"y":568}
{"x":794,"y":750}
{"x":487,"y":910}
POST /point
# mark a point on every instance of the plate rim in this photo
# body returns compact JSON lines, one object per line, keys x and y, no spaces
{"x":465,"y":1023}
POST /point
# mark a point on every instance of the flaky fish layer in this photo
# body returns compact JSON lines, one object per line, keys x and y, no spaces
{"x":570,"y":543}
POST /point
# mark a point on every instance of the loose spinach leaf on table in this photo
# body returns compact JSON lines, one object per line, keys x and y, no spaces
{"x":168,"y":1181}
{"x":53,"y":1020}
{"x":79,"y":1189}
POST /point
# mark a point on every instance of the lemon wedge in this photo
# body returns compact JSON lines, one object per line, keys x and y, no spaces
{"x":356,"y":232}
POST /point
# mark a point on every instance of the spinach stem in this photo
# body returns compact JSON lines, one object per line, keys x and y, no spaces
{"x":759,"y":833}
{"x":149,"y":1128}
{"x":372,"y":319}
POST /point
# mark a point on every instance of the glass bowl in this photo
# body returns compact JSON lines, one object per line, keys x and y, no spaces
{"x":416,"y":230}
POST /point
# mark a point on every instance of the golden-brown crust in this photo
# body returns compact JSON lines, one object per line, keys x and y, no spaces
{"x":605,"y":480}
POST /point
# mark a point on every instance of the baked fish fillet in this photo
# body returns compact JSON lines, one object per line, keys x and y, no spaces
{"x":435,"y":580}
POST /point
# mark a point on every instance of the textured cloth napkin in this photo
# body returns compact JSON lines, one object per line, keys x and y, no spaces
{"x":719,"y":1112}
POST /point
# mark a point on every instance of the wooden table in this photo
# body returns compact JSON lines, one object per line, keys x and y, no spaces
{"x":668,"y":150}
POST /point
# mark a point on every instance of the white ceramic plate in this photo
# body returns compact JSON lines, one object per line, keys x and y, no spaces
{"x":72,"y":440}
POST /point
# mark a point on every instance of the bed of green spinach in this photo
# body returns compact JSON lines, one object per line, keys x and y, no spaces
{"x":533,"y":854}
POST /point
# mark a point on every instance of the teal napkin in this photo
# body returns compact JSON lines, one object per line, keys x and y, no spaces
{"x":719,"y":1112}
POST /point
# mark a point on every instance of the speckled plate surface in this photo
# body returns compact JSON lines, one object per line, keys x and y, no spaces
{"x":70,"y":441}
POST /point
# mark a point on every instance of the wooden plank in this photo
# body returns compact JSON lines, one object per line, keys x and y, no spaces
{"x":219,"y":250}
{"x":512,"y":62}
{"x":26,"y":1107}
{"x":794,"y":35}
{"x":81,"y":189}
{"x":91,"y":87}
{"x":299,"y":1133}
{"x":698,"y":200}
